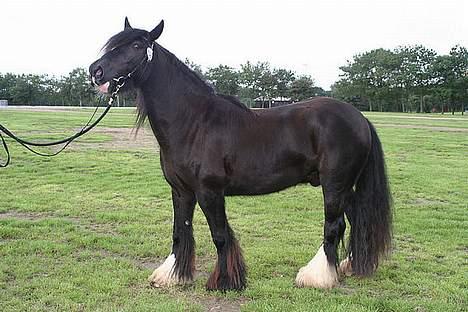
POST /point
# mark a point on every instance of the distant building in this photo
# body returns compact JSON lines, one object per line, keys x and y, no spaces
{"x":3,"y":103}
{"x":279,"y":101}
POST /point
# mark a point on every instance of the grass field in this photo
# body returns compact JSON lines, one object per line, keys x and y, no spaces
{"x":82,"y":231}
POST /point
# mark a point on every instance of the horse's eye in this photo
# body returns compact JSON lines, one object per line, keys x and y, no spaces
{"x":136,"y":45}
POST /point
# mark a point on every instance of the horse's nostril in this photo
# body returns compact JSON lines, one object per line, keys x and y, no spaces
{"x":98,"y":73}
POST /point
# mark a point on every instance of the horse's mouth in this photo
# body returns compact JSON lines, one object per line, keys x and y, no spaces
{"x":104,"y":88}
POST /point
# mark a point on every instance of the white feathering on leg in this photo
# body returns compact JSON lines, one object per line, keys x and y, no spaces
{"x":164,"y":275}
{"x":318,"y":273}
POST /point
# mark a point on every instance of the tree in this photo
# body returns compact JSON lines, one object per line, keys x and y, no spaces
{"x":22,"y":91}
{"x":451,"y":78}
{"x":195,"y":67}
{"x":7,"y":82}
{"x":27,"y":89}
{"x":405,"y":79}
{"x":76,"y":87}
{"x":415,"y":74}
{"x":255,"y":80}
{"x":459,"y":84}
{"x":375,"y":73}
{"x":303,"y":88}
{"x":225,"y":79}
{"x":283,"y":80}
{"x":260,"y":82}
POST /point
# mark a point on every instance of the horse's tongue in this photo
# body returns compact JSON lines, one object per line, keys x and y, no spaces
{"x":104,"y":87}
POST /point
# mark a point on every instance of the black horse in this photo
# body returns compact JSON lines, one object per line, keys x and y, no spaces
{"x":213,"y":146}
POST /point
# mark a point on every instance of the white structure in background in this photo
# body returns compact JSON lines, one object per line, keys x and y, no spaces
{"x":3,"y":103}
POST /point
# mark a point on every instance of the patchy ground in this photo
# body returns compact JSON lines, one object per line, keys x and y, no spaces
{"x":122,"y":139}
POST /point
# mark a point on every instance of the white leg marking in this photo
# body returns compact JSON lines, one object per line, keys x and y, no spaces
{"x":164,"y":274}
{"x":318,"y":272}
{"x":345,"y":267}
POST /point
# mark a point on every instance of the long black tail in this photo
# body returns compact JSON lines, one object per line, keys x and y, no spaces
{"x":371,"y":215}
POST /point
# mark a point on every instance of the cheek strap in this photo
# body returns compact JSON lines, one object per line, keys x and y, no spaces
{"x":120,"y":81}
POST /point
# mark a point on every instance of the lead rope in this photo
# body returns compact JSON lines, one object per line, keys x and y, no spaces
{"x":67,"y":141}
{"x":120,"y":81}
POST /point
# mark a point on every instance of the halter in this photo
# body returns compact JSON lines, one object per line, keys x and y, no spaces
{"x":121,"y":80}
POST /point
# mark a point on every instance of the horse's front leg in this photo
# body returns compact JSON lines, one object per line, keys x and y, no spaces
{"x":179,"y":266}
{"x":230,"y":270}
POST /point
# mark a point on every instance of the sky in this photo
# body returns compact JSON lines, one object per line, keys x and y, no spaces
{"x":309,"y":37}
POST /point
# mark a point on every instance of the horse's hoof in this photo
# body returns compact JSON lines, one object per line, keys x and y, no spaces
{"x":346,"y":268}
{"x":318,"y":273}
{"x":164,"y":275}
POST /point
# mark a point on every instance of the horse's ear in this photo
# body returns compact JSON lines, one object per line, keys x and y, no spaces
{"x":127,"y":24}
{"x":156,"y":32}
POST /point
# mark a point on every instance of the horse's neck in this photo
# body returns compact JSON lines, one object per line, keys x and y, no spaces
{"x":167,"y":95}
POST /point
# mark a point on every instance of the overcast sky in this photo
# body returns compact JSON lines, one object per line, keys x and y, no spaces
{"x":310,"y":37}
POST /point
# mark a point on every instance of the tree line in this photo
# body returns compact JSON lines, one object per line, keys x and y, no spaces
{"x":255,"y":84}
{"x":260,"y":85}
{"x":406,"y":79}
{"x":31,"y":89}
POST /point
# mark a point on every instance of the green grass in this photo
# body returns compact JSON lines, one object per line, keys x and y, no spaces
{"x":82,"y":231}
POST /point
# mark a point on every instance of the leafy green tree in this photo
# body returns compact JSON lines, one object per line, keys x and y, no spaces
{"x":283,"y":80}
{"x":7,"y":82}
{"x":22,"y":91}
{"x":459,"y":78}
{"x":400,"y":79}
{"x":262,"y":83}
{"x":416,"y":74}
{"x":256,"y":80}
{"x":27,"y":90}
{"x":303,"y":88}
{"x":76,"y":87}
{"x":451,"y":79}
{"x":225,"y":79}
{"x":195,"y":67}
{"x":376,"y":74}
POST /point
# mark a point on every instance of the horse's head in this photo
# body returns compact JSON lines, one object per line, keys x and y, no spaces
{"x":126,"y":56}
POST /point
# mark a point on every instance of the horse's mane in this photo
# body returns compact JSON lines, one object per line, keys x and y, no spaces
{"x":128,"y":36}
{"x":234,"y":100}
{"x":198,"y":80}
{"x":187,"y":71}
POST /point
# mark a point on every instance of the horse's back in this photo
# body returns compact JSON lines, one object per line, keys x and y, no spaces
{"x":291,"y":144}
{"x":325,"y":117}
{"x":319,"y":105}
{"x":335,"y":134}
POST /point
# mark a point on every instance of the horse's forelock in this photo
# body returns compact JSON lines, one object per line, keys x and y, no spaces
{"x":124,"y":37}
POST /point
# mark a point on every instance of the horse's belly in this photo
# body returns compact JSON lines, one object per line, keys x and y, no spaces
{"x":257,"y":184}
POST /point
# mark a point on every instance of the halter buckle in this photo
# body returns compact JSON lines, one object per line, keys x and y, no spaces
{"x":149,"y":53}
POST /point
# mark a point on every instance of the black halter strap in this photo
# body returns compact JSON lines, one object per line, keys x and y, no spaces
{"x":148,"y":58}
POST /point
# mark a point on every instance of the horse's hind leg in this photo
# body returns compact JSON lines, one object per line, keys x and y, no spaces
{"x":345,"y":268}
{"x":321,"y":271}
{"x":179,"y":267}
{"x":230,"y":271}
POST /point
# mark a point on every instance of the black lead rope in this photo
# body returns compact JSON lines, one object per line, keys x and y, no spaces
{"x":120,"y":81}
{"x":66,"y":141}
